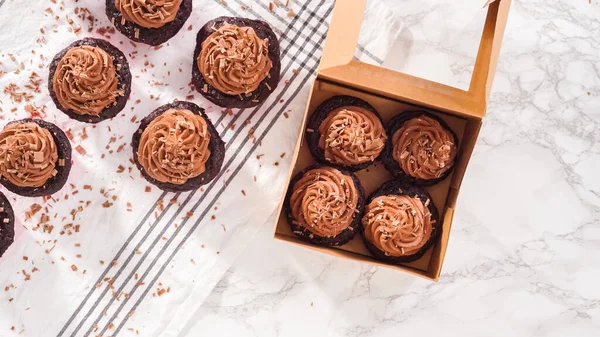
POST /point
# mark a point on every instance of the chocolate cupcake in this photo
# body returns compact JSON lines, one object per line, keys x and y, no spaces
{"x":400,"y":223}
{"x":90,"y":80}
{"x":35,"y":157}
{"x":345,"y":131}
{"x":151,"y":22}
{"x":237,"y":62}
{"x":7,"y":224}
{"x":421,"y":149}
{"x":177,"y":148}
{"x":324,"y":205}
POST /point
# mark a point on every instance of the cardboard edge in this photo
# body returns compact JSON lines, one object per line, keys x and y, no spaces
{"x":436,"y":266}
{"x":466,"y":150}
{"x":338,"y":66}
{"x":299,"y":140}
{"x":416,"y":90}
{"x":342,"y":37}
{"x":353,"y":256}
{"x":489,"y":49}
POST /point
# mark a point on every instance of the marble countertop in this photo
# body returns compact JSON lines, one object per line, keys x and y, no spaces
{"x":524,"y":252}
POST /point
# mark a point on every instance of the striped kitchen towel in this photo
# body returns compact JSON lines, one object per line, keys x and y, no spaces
{"x":110,"y":255}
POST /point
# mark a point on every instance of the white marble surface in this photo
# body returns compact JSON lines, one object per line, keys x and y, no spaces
{"x":524,"y":253}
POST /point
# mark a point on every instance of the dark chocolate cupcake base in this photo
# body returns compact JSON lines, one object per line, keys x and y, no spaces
{"x":387,"y":154}
{"x":123,"y":74}
{"x":7,"y":227}
{"x":263,"y":31}
{"x":346,"y":235}
{"x":320,"y":114}
{"x":216,"y":147}
{"x":150,"y":36}
{"x":54,"y":184}
{"x":395,"y":187}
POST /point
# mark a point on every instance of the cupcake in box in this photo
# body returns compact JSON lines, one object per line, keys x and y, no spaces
{"x":346,"y":131}
{"x":400,"y":223}
{"x":421,"y":149}
{"x":324,"y":204}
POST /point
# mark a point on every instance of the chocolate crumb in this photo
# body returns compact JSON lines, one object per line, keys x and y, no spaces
{"x":81,"y":150}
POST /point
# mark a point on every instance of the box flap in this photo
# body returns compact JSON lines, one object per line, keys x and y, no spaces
{"x":489,"y":48}
{"x":343,"y":33}
{"x":337,"y":63}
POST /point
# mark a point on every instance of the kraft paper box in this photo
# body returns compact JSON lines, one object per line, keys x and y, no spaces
{"x":391,"y":93}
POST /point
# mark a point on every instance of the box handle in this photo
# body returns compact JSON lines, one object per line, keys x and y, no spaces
{"x":346,"y":22}
{"x":487,"y":55}
{"x":347,"y":19}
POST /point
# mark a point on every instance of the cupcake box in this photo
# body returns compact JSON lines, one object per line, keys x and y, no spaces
{"x":392,"y":93}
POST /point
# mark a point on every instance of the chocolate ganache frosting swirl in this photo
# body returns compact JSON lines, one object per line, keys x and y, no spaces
{"x":28,"y":154}
{"x":423,"y":148}
{"x":397,"y":225}
{"x":351,"y":135}
{"x":174,"y":146}
{"x":148,"y":13}
{"x":86,"y":80}
{"x":234,"y":60}
{"x":324,"y":201}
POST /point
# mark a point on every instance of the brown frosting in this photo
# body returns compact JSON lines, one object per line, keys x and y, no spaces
{"x":86,"y":80}
{"x":234,"y":60}
{"x":397,"y":225}
{"x":148,"y":13}
{"x":174,"y":146}
{"x":28,"y":154}
{"x":351,"y":135}
{"x":324,"y":201}
{"x":423,"y":148}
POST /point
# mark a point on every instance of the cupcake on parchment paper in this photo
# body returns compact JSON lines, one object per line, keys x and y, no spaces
{"x":151,"y":22}
{"x":421,"y":149}
{"x":7,"y":224}
{"x":177,"y":148}
{"x":236,"y":62}
{"x":324,"y":205}
{"x":90,"y":80}
{"x":35,"y":157}
{"x":345,"y":131}
{"x":400,"y":223}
